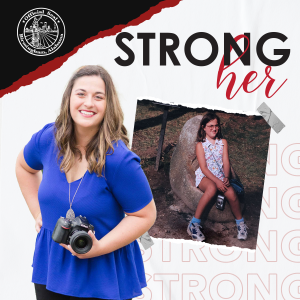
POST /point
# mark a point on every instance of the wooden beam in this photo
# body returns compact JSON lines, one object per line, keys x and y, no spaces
{"x":161,"y":137}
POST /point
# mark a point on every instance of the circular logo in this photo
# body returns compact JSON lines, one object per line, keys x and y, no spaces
{"x":41,"y":31}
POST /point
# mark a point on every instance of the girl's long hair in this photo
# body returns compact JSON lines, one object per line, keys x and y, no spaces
{"x":201,"y":135}
{"x":111,"y":129}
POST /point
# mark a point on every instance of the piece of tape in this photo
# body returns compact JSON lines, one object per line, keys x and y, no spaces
{"x":146,"y":240}
{"x":270,"y":117}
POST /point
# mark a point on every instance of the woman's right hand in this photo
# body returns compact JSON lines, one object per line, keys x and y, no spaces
{"x":38,"y":222}
{"x":221,"y":186}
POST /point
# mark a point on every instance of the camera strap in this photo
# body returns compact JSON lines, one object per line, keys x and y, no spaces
{"x":220,"y":169}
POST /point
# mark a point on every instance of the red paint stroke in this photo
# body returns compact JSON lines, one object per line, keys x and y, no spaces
{"x":46,"y":69}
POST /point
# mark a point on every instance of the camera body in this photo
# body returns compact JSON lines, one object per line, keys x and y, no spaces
{"x":74,"y":232}
{"x":220,"y":202}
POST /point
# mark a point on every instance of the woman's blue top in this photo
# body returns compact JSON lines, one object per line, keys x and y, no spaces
{"x":103,"y":201}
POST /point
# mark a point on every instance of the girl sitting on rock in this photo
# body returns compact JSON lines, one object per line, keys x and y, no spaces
{"x":213,"y":175}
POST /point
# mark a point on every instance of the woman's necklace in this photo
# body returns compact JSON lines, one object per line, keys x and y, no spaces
{"x":70,"y":213}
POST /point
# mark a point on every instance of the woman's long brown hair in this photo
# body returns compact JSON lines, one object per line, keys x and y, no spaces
{"x":111,"y":129}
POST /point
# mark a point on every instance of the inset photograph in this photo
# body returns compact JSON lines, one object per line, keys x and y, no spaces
{"x":206,"y":169}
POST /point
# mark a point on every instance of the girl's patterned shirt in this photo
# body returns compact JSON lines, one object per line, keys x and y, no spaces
{"x":214,"y":160}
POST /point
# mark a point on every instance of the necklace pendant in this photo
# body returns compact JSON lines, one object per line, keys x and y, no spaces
{"x":70,"y":214}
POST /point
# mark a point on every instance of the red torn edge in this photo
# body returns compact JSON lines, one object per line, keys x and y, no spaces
{"x":46,"y":69}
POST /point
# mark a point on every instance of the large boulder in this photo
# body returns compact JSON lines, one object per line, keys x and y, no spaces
{"x":182,"y":173}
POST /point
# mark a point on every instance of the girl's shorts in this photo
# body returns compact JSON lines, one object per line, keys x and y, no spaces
{"x":200,"y":176}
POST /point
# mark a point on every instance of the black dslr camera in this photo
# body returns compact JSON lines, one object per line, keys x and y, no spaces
{"x":75,"y":233}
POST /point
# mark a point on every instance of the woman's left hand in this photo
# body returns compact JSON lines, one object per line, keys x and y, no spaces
{"x":95,"y":250}
{"x":226,"y":181}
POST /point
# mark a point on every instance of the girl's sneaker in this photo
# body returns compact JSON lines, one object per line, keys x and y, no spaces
{"x":242,"y":231}
{"x":194,"y":231}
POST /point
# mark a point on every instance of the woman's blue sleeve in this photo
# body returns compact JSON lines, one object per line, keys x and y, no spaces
{"x":32,"y":151}
{"x":130,"y":186}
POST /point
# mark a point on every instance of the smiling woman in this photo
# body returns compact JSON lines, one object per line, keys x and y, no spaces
{"x":87,"y":167}
{"x":87,"y":102}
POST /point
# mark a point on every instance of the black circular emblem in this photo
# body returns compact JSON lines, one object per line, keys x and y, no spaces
{"x":41,"y":31}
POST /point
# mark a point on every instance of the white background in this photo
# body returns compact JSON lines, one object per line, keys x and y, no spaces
{"x":179,"y":269}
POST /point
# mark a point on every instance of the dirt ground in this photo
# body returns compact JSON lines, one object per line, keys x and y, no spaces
{"x":248,"y":140}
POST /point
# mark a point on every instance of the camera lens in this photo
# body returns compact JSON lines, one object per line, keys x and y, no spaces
{"x":81,"y":242}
